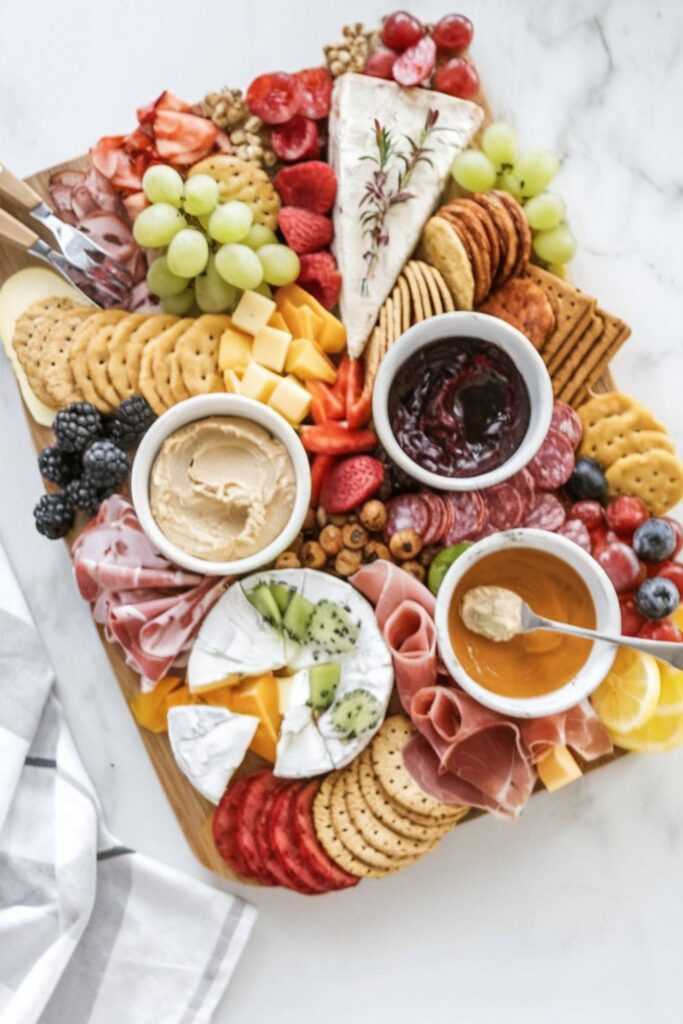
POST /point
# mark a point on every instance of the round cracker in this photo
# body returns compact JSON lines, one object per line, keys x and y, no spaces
{"x":474,"y":238}
{"x":352,"y":839}
{"x":97,"y":360}
{"x":441,"y":248}
{"x":328,"y":838}
{"x":634,"y":441}
{"x":507,"y":234}
{"x":655,"y":476}
{"x":79,"y":361}
{"x":34,"y":352}
{"x":197,"y":354}
{"x":394,"y":777}
{"x":245,"y":180}
{"x":155,"y":374}
{"x":59,"y":378}
{"x":130,"y":356}
{"x":118,"y":345}
{"x":23,"y":326}
{"x":611,"y":403}
{"x":522,"y":228}
{"x":419,"y":298}
{"x":406,"y":823}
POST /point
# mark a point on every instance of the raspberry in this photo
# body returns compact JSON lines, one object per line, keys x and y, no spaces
{"x":298,"y":139}
{"x":304,"y":232}
{"x":381,"y":64}
{"x":458,"y":77}
{"x":275,"y":98}
{"x":309,"y":186}
{"x":416,"y":64}
{"x":316,"y":92}
{"x":454,"y":33}
{"x":320,"y":277}
{"x":401,"y":30}
{"x":351,"y":482}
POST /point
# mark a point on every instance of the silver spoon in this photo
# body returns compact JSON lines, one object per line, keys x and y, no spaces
{"x":526,"y":621}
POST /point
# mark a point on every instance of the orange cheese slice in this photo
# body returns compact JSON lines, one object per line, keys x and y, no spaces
{"x":331,"y":335}
{"x":558,"y":768}
{"x":258,"y":695}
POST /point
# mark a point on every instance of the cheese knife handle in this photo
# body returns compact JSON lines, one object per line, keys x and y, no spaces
{"x":12,"y":230}
{"x":16,"y":189}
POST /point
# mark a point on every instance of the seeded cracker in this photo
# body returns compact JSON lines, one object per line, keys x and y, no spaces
{"x":328,"y":838}
{"x":352,"y":839}
{"x":406,"y":823}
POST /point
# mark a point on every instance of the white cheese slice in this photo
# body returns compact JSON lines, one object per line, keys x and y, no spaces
{"x":209,"y":743}
{"x":358,"y":101}
{"x":17,"y":293}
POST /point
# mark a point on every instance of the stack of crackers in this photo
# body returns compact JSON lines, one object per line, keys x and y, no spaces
{"x":371,"y":817}
{"x":634,"y":448}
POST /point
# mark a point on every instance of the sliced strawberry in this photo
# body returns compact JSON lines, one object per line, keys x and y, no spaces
{"x":282,"y":841}
{"x":321,"y":468}
{"x":248,"y":813}
{"x":319,"y":276}
{"x":316,"y":92}
{"x":310,"y":186}
{"x":337,"y":439}
{"x":140,"y":141}
{"x":380,"y":64}
{"x":326,"y":404}
{"x":416,"y":63}
{"x":358,"y":401}
{"x":179,"y":134}
{"x":224,"y":827}
{"x":275,"y":98}
{"x":167,"y":101}
{"x":351,"y":482}
{"x":307,"y":844}
{"x":297,"y":139}
{"x":304,"y":232}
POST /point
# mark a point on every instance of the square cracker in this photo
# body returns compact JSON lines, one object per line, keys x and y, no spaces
{"x":573,"y":311}
{"x":615,"y":334}
{"x":575,"y":360}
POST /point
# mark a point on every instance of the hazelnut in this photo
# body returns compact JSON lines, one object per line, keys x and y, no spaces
{"x":354,"y":536}
{"x":374,"y":549}
{"x":373,"y":515}
{"x":338,"y":520}
{"x":405,"y":544}
{"x":415,"y":569}
{"x":321,"y":516}
{"x":347,"y":562}
{"x":287,"y":560}
{"x":295,"y":546}
{"x":331,"y":540}
{"x":312,"y":555}
{"x":309,"y":521}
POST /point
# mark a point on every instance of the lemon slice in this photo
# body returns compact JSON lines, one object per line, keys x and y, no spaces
{"x":628,"y":695}
{"x":671,"y":695}
{"x":661,"y":732}
{"x":677,"y":616}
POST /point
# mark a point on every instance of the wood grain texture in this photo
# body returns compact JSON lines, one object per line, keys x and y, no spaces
{"x":192,"y":810}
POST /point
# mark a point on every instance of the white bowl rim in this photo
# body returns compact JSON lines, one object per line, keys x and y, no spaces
{"x":607,"y":614}
{"x":201,"y":407}
{"x":485,"y":328}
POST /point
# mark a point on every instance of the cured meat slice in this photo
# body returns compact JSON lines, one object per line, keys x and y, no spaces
{"x":546,"y":513}
{"x":505,"y":507}
{"x":577,"y":531}
{"x":579,"y":728}
{"x":469,"y":513}
{"x":566,"y":421}
{"x":247,"y":813}
{"x":303,"y":878}
{"x":110,"y":232}
{"x":183,"y":137}
{"x":553,"y":463}
{"x":524,"y":484}
{"x":437,"y":517}
{"x":481,"y":751}
{"x":307,"y":844}
{"x":407,"y":512}
{"x":224,"y":827}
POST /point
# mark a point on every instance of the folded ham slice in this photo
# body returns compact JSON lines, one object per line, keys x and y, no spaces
{"x":579,"y":728}
{"x":149,"y":606}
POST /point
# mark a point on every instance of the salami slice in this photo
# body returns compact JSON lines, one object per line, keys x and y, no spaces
{"x":225,"y":827}
{"x":546,"y":513}
{"x":505,"y":505}
{"x":437,"y":517}
{"x":577,"y":531}
{"x":284,"y":846}
{"x":553,"y":463}
{"x":268,"y":856}
{"x":248,"y":812}
{"x":566,"y":421}
{"x":407,"y":512}
{"x":469,"y":515}
{"x":523,"y":482}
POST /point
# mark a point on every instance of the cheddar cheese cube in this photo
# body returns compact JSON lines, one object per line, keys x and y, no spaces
{"x":234,"y":351}
{"x":252,"y":311}
{"x":278,"y":321}
{"x":291,"y":400}
{"x":232,"y":382}
{"x":259,"y":696}
{"x":259,"y":382}
{"x":308,"y":362}
{"x":332,"y":335}
{"x":558,"y":768}
{"x":270,"y":347}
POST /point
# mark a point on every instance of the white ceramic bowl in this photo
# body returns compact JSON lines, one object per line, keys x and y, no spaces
{"x":200,"y":408}
{"x":483,"y":328}
{"x":607,"y":615}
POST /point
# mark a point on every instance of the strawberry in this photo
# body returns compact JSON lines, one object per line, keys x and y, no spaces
{"x":316,"y":92}
{"x":297,"y":139}
{"x":358,"y":401}
{"x":321,"y":467}
{"x":337,"y":439}
{"x":319,"y":276}
{"x":351,"y":482}
{"x":310,"y":186}
{"x":304,"y":232}
{"x":326,"y":404}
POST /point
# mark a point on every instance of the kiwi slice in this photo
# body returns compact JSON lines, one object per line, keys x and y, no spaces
{"x":332,"y":628}
{"x":265,"y":604}
{"x":282,"y":594}
{"x":297,"y":617}
{"x":356,"y":713}
{"x":322,"y":682}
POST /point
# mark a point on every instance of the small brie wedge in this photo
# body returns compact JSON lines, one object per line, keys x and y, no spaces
{"x":209,"y":743}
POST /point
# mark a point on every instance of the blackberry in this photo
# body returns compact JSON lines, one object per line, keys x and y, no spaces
{"x":84,"y":495}
{"x":132,"y":419}
{"x":76,"y":426}
{"x":54,"y":515}
{"x":58,"y":466}
{"x":105,"y":464}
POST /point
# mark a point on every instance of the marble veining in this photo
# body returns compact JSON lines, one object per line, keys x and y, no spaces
{"x":574,"y":913}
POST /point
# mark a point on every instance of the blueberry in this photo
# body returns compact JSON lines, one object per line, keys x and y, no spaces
{"x":657,"y":597}
{"x":654,"y":541}
{"x":587,"y":482}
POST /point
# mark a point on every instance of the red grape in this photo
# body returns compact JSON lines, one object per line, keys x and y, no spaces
{"x":631,"y":619}
{"x":626,"y":513}
{"x":415,"y":64}
{"x":401,"y":30}
{"x":600,"y":538}
{"x":380,"y":64}
{"x":589,"y":512}
{"x":678,"y":530}
{"x":453,"y":32}
{"x":457,"y":77}
{"x":665,"y":629}
{"x":621,"y":565}
{"x":671,"y":571}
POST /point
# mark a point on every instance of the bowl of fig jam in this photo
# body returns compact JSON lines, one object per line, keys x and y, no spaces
{"x":462,"y":401}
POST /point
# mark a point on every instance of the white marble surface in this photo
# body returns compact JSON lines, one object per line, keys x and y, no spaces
{"x":574,"y":913}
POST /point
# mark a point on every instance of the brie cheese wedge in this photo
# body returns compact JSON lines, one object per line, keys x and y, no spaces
{"x":209,"y":743}
{"x":358,"y":103}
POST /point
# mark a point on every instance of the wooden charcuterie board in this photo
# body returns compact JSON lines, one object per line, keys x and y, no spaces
{"x":192,"y":810}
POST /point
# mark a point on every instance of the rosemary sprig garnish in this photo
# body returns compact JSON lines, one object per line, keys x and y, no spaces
{"x":388,"y":184}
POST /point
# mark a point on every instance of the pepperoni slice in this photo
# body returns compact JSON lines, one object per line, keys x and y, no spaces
{"x":307,"y":843}
{"x":407,"y":512}
{"x":546,"y":513}
{"x":282,"y":841}
{"x":505,"y":505}
{"x":566,"y":421}
{"x":553,"y":463}
{"x":248,"y":813}
{"x":469,"y":515}
{"x":268,"y":856}
{"x":224,"y":827}
{"x":577,"y":531}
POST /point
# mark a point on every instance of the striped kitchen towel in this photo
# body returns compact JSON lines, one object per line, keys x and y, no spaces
{"x":90,"y":932}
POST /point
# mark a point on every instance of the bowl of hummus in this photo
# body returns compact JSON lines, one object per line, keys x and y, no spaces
{"x":525,"y":675}
{"x":221,"y":484}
